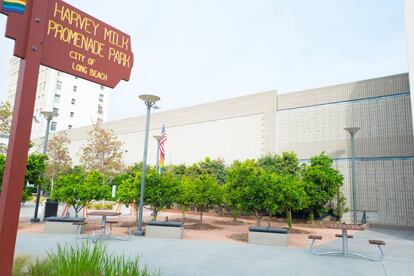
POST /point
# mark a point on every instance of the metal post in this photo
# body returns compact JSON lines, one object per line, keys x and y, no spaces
{"x":35,"y":217}
{"x":352,"y":131}
{"x":139,"y":231}
{"x":158,"y":157}
{"x":354,"y":206}
{"x":13,"y":178}
{"x":157,"y":164}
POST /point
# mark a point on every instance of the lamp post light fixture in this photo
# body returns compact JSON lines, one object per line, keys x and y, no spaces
{"x":157,"y":165}
{"x":149,"y":101}
{"x":352,"y":131}
{"x":49,"y":115}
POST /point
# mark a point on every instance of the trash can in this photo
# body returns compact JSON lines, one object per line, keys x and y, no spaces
{"x":51,"y":208}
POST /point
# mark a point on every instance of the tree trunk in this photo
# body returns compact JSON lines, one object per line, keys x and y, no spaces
{"x":183,"y":212}
{"x":235,"y":215}
{"x":201,"y":216}
{"x":258,"y":219}
{"x":311,"y":217}
{"x":270,"y":218}
{"x":155,"y":214}
{"x":289,"y":218}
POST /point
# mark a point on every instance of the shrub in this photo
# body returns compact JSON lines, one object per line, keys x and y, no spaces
{"x":101,"y":206}
{"x":87,"y":260}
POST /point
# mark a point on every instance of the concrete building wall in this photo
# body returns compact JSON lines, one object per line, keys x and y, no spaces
{"x":232,"y":129}
{"x":384,"y":146}
{"x":306,"y":122}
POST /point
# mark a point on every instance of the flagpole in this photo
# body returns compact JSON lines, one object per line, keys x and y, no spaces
{"x":157,"y":164}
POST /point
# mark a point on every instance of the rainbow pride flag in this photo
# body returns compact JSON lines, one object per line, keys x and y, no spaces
{"x":162,"y":148}
{"x":16,"y":6}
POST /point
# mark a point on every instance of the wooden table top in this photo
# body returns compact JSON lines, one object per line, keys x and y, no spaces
{"x":104,"y":213}
{"x":344,"y":226}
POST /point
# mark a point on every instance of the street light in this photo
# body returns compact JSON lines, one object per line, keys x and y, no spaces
{"x":150,"y":101}
{"x":49,"y":115}
{"x":157,"y":165}
{"x":352,"y":131}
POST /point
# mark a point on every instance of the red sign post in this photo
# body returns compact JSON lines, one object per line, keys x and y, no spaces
{"x":57,"y":35}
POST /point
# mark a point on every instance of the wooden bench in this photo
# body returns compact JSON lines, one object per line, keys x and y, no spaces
{"x":314,"y":238}
{"x":268,"y":236}
{"x":65,"y":225}
{"x":379,"y":243}
{"x":111,"y":222}
{"x":340,"y":236}
{"x":164,"y":230}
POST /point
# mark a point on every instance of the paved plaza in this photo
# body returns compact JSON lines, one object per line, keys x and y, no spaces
{"x":184,"y":257}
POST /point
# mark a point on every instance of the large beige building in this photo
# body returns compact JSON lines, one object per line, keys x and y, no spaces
{"x":306,"y":122}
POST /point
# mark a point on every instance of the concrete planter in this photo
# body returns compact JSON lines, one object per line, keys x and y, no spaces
{"x":164,"y":230}
{"x":56,"y":225}
{"x":268,"y":236}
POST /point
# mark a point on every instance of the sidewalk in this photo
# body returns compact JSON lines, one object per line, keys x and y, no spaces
{"x":185,"y":257}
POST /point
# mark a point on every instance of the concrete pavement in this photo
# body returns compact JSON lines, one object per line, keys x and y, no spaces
{"x":185,"y":257}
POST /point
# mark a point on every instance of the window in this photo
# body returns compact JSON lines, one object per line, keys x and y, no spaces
{"x":53,"y":126}
{"x":102,"y":87}
{"x":70,"y":127}
{"x":72,"y":114}
{"x":101,"y":98}
{"x":75,"y":88}
{"x":100,"y":110}
{"x":57,"y":98}
{"x":59,"y":85}
{"x":56,"y":110}
{"x":73,"y":101}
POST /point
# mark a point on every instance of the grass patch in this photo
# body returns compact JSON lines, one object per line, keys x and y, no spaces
{"x":101,"y":206}
{"x":85,"y":260}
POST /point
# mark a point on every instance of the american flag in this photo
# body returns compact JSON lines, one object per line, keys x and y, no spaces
{"x":162,"y":148}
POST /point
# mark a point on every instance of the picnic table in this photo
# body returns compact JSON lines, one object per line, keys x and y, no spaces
{"x":345,"y":227}
{"x":344,"y":236}
{"x":104,"y":215}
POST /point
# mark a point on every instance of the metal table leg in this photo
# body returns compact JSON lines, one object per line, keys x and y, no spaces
{"x":103,"y":232}
{"x":345,"y":250}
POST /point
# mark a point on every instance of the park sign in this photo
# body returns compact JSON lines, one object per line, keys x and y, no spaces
{"x":54,"y":34}
{"x":77,"y":43}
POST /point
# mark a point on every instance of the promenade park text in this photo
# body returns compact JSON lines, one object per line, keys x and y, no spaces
{"x":88,"y":43}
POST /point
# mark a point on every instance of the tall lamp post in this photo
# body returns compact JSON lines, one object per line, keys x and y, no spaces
{"x":157,"y":165}
{"x":49,"y":115}
{"x":352,"y":131}
{"x":150,"y":101}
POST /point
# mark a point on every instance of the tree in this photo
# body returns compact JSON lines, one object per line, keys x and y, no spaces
{"x":128,"y":190}
{"x":60,"y":161}
{"x":184,"y":194}
{"x":291,"y":195}
{"x":204,"y":192}
{"x":102,"y":151}
{"x":35,"y":169}
{"x":161,"y":191}
{"x":211,"y":167}
{"x":5,"y":118}
{"x":177,"y":170}
{"x":79,"y":188}
{"x":5,"y":123}
{"x":322,"y":183}
{"x":246,"y":188}
{"x":286,"y":164}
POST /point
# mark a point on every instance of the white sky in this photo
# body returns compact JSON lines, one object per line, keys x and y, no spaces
{"x":196,"y":51}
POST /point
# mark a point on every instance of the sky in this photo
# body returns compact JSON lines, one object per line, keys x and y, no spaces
{"x":196,"y":51}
